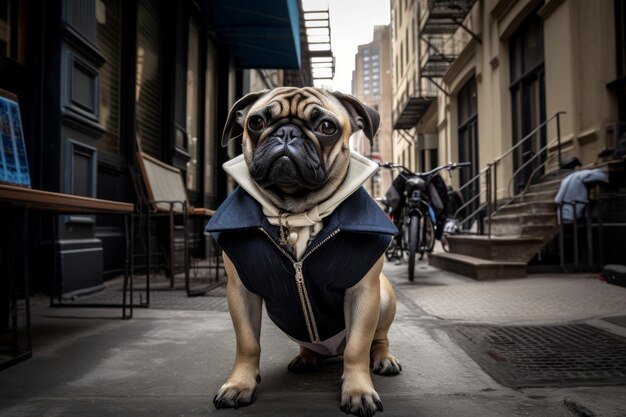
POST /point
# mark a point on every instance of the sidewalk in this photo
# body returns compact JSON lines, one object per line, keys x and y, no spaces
{"x":170,"y":362}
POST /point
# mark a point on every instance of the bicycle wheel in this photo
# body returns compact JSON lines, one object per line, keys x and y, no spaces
{"x":414,"y":232}
{"x":428,"y":235}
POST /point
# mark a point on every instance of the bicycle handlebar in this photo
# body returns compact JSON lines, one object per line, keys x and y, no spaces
{"x":450,"y":166}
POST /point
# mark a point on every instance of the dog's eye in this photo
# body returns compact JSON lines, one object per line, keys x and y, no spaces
{"x":256,"y":123}
{"x":327,"y":128}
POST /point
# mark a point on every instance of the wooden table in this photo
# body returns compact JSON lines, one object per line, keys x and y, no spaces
{"x":27,"y":200}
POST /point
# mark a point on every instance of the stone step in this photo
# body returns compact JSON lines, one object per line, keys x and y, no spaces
{"x":539,"y":207}
{"x":501,"y":248}
{"x":513,"y":224}
{"x":544,"y":231}
{"x":552,"y":185}
{"x":533,"y":196}
{"x":477,"y":268}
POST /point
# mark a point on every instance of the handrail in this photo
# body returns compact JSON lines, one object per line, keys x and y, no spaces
{"x":482,"y":171}
{"x":518,"y":170}
{"x":529,"y":135}
{"x":489,"y":187}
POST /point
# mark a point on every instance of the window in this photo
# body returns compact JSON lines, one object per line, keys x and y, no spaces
{"x":148,"y":87}
{"x":193,"y":85}
{"x":13,"y":30}
{"x":108,"y":17}
{"x":527,"y":94}
{"x":467,"y":101}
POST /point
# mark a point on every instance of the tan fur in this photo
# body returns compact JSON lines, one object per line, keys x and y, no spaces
{"x":367,"y":324}
{"x":369,"y":306}
{"x":298,"y":103}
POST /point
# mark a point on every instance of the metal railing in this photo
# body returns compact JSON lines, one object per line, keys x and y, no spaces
{"x":485,"y":202}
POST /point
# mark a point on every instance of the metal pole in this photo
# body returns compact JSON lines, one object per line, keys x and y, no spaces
{"x":148,"y":254}
{"x":488,"y":180}
{"x":186,"y":248}
{"x":558,"y":137}
{"x":172,"y":248}
{"x":495,"y":186}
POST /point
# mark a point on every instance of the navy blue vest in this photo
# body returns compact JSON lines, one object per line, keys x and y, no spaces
{"x":305,"y":298}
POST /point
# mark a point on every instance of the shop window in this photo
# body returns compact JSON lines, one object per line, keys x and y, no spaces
{"x":108,"y":16}
{"x":193,"y":86}
{"x":13,"y":30}
{"x":148,"y":87}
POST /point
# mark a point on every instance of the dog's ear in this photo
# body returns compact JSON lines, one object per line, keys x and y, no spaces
{"x":362,"y":116}
{"x":233,"y":129}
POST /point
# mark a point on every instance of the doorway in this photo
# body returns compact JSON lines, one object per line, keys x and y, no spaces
{"x":528,"y":100}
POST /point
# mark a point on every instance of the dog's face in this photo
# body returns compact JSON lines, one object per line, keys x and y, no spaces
{"x":295,"y":141}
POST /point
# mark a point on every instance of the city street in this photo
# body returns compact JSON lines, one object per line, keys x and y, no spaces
{"x":170,"y":361}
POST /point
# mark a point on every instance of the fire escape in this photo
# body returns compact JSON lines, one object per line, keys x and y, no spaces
{"x":318,"y":62}
{"x":438,"y":25}
{"x":317,"y":29}
{"x":443,"y":19}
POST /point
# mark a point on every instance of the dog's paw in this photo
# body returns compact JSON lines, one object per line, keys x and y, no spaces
{"x":304,"y":362}
{"x":235,"y":394}
{"x":362,"y":403}
{"x":386,"y":365}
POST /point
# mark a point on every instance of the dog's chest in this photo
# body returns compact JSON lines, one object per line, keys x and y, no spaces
{"x":304,"y":298}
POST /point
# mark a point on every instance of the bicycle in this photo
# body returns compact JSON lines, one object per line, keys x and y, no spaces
{"x":420,"y":210}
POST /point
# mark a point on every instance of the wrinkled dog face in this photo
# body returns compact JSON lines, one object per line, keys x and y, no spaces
{"x":295,"y":141}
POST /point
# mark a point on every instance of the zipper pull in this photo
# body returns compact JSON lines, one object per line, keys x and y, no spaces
{"x":299,"y":276}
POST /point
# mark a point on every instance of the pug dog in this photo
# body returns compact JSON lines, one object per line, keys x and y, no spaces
{"x":302,"y":235}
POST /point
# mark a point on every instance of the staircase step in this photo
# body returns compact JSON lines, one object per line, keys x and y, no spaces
{"x":536,"y":196}
{"x":552,"y":185}
{"x":513,"y":224}
{"x":544,"y":231}
{"x":539,"y":206}
{"x":477,"y":268}
{"x":502,"y":248}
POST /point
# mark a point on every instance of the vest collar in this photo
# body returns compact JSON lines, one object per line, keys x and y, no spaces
{"x":358,"y":213}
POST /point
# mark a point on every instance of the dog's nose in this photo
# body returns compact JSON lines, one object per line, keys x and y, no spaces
{"x":288,"y":132}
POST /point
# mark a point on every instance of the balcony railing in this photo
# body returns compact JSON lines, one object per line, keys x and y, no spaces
{"x":445,"y":16}
{"x":440,"y":52}
{"x":412,"y":106}
{"x":488,"y":199}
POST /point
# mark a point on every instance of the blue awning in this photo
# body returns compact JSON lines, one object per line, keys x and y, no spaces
{"x":260,"y":34}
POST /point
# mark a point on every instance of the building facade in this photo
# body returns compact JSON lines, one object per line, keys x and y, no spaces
{"x":371,"y":83}
{"x":501,"y":68}
{"x":100,"y":80}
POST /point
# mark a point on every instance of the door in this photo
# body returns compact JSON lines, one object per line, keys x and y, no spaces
{"x":528,"y":101}
{"x":468,"y":143}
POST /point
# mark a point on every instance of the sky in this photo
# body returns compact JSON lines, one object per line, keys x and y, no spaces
{"x":351,"y":24}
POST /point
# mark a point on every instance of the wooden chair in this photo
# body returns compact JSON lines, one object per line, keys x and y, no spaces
{"x":167,"y":196}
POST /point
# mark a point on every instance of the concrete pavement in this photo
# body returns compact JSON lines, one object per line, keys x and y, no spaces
{"x":171,"y":362}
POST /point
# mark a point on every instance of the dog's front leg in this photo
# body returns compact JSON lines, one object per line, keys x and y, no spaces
{"x":361,"y":310}
{"x":245,"y":311}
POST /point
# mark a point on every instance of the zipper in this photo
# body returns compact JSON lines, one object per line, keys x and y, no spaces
{"x":307,"y":308}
